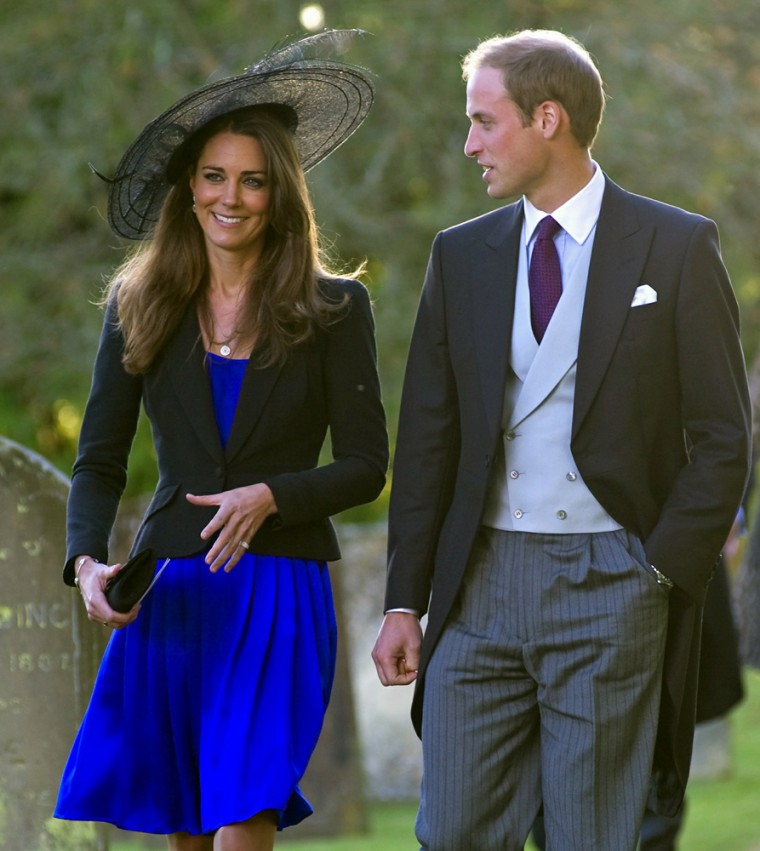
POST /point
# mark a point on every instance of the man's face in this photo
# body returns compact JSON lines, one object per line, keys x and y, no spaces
{"x":512,"y":155}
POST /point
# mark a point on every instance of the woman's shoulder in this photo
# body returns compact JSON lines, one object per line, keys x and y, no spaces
{"x":338,"y":289}
{"x":351,"y":308}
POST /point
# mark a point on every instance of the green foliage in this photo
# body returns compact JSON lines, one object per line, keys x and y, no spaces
{"x":82,"y":79}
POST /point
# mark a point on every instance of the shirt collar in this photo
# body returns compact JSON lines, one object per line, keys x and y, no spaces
{"x":577,"y":216}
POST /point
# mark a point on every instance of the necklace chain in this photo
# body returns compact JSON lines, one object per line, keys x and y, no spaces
{"x":224,"y":345}
{"x":226,"y":342}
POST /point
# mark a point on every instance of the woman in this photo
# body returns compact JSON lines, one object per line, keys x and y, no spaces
{"x":244,"y":351}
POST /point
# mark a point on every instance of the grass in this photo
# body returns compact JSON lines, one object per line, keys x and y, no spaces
{"x":723,"y":815}
{"x":391,"y":826}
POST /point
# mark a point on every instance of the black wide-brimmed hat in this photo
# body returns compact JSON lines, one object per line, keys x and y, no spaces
{"x":327,"y":99}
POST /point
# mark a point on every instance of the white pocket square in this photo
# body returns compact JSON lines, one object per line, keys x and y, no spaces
{"x":644,"y":295}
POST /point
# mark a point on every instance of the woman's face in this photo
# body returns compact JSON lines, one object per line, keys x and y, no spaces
{"x":232,"y":194}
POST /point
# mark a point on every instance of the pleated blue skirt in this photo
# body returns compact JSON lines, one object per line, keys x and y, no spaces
{"x":207,"y":708}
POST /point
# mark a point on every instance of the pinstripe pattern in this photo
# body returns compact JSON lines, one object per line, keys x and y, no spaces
{"x":545,"y":684}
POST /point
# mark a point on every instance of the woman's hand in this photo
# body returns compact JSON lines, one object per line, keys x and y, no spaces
{"x":91,"y":578}
{"x":241,"y":514}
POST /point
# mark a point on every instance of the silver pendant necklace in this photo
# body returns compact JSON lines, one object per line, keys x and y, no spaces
{"x":225,"y":350}
{"x":225,"y":345}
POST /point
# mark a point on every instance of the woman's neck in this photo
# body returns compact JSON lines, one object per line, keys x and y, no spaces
{"x":230,"y":271}
{"x":222,"y":318}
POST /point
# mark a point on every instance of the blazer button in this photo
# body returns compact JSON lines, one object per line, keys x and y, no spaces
{"x":571,"y":477}
{"x":561,"y":515}
{"x":510,"y":435}
{"x":518,"y":513}
{"x":513,"y":474}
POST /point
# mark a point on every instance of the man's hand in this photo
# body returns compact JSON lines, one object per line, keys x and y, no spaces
{"x":397,"y":650}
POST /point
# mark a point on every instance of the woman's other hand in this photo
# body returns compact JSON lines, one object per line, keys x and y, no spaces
{"x":91,"y":578}
{"x":241,"y":513}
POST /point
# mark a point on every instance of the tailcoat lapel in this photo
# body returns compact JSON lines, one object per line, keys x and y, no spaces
{"x":621,"y":245}
{"x":492,"y":308}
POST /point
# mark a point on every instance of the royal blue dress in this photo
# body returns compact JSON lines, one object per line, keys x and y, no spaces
{"x":207,"y":708}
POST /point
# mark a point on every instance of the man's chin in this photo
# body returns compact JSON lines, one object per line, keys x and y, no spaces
{"x":496,"y":192}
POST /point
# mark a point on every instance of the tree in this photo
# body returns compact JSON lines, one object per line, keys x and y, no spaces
{"x":681,"y":125}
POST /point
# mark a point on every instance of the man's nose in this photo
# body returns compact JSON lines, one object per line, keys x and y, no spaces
{"x":472,"y":144}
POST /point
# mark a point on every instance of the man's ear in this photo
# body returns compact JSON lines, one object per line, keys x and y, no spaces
{"x":548,"y":117}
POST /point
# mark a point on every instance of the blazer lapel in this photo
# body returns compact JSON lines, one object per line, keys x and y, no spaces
{"x":258,"y":383}
{"x":493,"y":305}
{"x":620,"y":249}
{"x":184,"y":359}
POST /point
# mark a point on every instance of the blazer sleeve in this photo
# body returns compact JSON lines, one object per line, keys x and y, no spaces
{"x":356,"y":420}
{"x":100,"y":471}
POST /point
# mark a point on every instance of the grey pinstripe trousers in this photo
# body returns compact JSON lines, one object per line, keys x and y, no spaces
{"x":544,"y":688}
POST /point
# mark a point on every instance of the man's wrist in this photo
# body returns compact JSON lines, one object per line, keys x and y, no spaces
{"x":402,"y":611}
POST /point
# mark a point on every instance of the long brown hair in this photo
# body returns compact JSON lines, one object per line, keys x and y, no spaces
{"x":166,"y":274}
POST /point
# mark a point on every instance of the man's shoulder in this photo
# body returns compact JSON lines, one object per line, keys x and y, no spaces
{"x":647,"y":207}
{"x":486,"y":223}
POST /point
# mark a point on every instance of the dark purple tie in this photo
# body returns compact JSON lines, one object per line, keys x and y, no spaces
{"x":544,"y":277}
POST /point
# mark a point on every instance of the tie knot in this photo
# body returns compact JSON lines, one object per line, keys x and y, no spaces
{"x":547,"y":227}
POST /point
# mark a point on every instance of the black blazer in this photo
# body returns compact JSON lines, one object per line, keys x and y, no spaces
{"x":660,"y":426}
{"x":280,"y":425}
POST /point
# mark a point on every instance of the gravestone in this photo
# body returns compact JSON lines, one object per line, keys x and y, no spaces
{"x":48,"y":655}
{"x":712,"y":758}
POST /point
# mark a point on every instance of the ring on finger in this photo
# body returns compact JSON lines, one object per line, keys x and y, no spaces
{"x":245,"y":545}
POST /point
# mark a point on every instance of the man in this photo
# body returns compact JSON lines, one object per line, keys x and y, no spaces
{"x":561,"y":493}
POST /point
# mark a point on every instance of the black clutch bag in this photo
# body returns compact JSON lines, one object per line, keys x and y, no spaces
{"x":125,"y":590}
